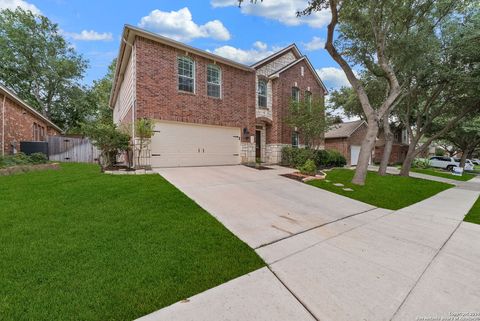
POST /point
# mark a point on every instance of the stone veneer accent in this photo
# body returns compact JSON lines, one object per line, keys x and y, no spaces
{"x":247,"y":153}
{"x":266,"y":71}
{"x":274,"y":153}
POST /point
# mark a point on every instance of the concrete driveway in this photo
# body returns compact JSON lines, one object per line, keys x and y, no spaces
{"x":332,"y":258}
{"x":261,"y":207}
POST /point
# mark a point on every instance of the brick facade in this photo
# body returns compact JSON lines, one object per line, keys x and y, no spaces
{"x":282,"y":93}
{"x":343,"y":144}
{"x":152,"y":62}
{"x":18,"y":123}
{"x":158,"y":96}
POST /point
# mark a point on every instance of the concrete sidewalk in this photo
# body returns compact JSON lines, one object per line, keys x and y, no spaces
{"x":420,"y":261}
{"x":473,"y":184}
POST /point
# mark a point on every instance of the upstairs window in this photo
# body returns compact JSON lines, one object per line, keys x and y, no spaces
{"x":262,"y":93}
{"x":214,"y":81}
{"x":186,"y":74}
{"x":308,"y":99}
{"x":295,"y":94}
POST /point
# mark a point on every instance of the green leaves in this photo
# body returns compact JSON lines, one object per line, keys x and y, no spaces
{"x":309,"y":119}
{"x":40,"y":65}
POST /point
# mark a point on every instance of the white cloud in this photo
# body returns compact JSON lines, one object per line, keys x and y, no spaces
{"x":334,"y":78}
{"x":284,"y":11}
{"x":13,"y":4}
{"x":259,"y":51}
{"x":260,"y":45}
{"x":314,"y":44}
{"x":90,"y":35}
{"x":180,"y":26}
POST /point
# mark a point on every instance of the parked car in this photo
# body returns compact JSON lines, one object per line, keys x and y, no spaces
{"x":449,"y":163}
{"x":476,"y":161}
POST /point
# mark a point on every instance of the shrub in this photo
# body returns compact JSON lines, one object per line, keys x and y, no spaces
{"x":335,"y":159}
{"x":309,"y":168}
{"x":296,"y":157}
{"x":38,"y":158}
{"x":321,"y":157}
{"x":109,"y":139}
{"x":22,"y":159}
{"x":329,"y":158}
{"x":421,"y":163}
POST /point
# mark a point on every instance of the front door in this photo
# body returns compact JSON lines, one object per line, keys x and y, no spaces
{"x":258,"y":144}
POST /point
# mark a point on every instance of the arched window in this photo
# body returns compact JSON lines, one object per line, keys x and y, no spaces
{"x":214,"y":81}
{"x":262,"y":93}
{"x":186,"y":74}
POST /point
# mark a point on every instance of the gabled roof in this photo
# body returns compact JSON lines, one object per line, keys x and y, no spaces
{"x":10,"y":94}
{"x":344,"y":130}
{"x":293,"y":63}
{"x":128,"y":37}
{"x":292,"y":47}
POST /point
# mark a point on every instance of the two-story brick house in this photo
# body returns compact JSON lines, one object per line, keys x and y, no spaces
{"x":209,"y":110}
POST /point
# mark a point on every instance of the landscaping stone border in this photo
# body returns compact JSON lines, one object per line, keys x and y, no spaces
{"x":28,"y":168}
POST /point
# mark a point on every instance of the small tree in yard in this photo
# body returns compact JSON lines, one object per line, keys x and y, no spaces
{"x":109,"y":140}
{"x":144,"y":129}
{"x":309,"y":118}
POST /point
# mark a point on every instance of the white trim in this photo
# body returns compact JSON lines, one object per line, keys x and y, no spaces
{"x":278,"y":53}
{"x":263,"y":80}
{"x":128,"y":39}
{"x":219,"y":78}
{"x":194,"y":72}
{"x":277,"y":73}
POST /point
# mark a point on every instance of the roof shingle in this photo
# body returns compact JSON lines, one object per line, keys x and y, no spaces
{"x":343,"y":130}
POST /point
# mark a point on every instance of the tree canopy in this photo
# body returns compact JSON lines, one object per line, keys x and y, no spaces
{"x":42,"y":67}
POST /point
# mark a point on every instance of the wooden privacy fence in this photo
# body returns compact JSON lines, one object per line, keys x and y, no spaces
{"x":72,"y":149}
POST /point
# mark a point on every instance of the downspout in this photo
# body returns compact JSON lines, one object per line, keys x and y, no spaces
{"x":3,"y":125}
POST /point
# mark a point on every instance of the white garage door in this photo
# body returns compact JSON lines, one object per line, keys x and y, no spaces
{"x":354,"y":153}
{"x":180,"y":144}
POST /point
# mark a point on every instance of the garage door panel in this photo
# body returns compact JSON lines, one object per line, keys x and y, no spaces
{"x":182,"y":144}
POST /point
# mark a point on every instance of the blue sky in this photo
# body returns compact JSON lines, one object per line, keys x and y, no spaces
{"x":244,"y":34}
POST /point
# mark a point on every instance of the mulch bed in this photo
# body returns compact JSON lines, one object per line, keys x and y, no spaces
{"x":260,"y":168}
{"x":28,"y":168}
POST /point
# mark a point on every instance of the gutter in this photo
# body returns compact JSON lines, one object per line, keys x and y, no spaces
{"x":3,"y":125}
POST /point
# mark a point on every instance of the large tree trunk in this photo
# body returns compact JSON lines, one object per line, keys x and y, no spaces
{"x":365,"y":153}
{"x":388,"y":146}
{"x":463,"y":160}
{"x":407,"y":163}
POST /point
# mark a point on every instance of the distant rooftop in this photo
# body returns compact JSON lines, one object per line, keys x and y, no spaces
{"x":343,"y":130}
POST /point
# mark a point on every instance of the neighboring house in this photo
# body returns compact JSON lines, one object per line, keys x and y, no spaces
{"x":399,"y":147}
{"x":209,"y":110}
{"x":347,"y":139}
{"x":20,"y":122}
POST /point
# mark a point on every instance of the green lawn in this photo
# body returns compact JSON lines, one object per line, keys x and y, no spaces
{"x":473,"y":215}
{"x":391,"y":191}
{"x":440,"y":173}
{"x":80,"y":245}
